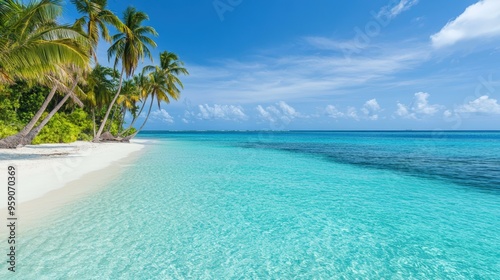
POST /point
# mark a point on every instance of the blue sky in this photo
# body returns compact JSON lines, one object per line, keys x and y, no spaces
{"x":334,"y":65}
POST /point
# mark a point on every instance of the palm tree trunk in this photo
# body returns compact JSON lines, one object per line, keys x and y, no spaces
{"x":93,"y":120}
{"x":34,"y":132}
{"x":38,"y":114}
{"x":101,"y":127}
{"x":15,"y":140}
{"x":134,"y":119}
{"x":110,"y":124}
{"x":145,"y":120}
{"x":123,"y":112}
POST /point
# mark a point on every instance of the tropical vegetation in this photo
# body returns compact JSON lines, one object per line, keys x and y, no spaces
{"x":52,"y":86}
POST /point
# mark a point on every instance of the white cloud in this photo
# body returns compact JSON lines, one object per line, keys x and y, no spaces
{"x":371,"y":109}
{"x":287,"y":109}
{"x":480,"y":20}
{"x":264,"y":114}
{"x":352,"y":113}
{"x":162,"y":115}
{"x":482,"y":105}
{"x":276,"y":76}
{"x":281,"y":112}
{"x":332,"y":112}
{"x":224,"y":112}
{"x":392,"y":11}
{"x":420,"y":107}
{"x":323,"y":43}
{"x":402,"y":110}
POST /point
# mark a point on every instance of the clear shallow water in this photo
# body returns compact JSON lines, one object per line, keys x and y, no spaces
{"x":285,"y":205}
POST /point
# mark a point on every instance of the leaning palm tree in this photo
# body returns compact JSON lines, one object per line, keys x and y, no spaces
{"x":130,"y":45}
{"x":163,"y":82}
{"x":70,"y":90}
{"x":128,"y":100}
{"x":33,"y":48}
{"x":142,"y":83}
{"x":32,"y":44}
{"x":160,"y":91}
{"x":95,"y":19}
{"x":99,"y":90}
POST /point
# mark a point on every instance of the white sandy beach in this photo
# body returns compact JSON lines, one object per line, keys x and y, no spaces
{"x":47,"y":168}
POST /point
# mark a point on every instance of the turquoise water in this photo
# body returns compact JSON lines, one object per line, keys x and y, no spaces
{"x":294,"y":205}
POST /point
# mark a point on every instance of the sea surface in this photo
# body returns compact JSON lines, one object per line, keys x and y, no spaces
{"x":283,"y":205}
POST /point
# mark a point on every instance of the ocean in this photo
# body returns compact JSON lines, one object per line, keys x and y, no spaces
{"x":284,"y":205}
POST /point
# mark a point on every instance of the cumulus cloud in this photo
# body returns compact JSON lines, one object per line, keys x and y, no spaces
{"x":280,"y":112}
{"x":287,"y":109}
{"x":352,"y":113}
{"x":482,"y":105}
{"x":402,"y":110}
{"x":221,"y":112}
{"x":420,"y":107}
{"x":332,"y":112}
{"x":162,"y":115}
{"x":480,"y":20}
{"x":371,"y":109}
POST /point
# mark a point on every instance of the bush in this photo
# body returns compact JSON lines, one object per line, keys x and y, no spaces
{"x":9,"y":105}
{"x":66,"y":128}
{"x":7,"y":130}
{"x":83,"y":121}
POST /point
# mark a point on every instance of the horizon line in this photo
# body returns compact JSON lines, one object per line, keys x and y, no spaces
{"x":321,"y":130}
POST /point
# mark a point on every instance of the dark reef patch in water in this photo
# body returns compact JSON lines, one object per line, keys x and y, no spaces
{"x":479,"y":172}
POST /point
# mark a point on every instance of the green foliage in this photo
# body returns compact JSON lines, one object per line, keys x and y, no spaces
{"x":31,"y":99}
{"x":33,"y":44}
{"x":38,"y":53}
{"x":19,"y":102}
{"x":95,"y":18}
{"x":7,"y":130}
{"x":129,"y":132}
{"x":114,"y":128}
{"x":84,"y":122}
{"x":132,"y":43}
{"x":9,"y":103}
{"x":66,"y":128}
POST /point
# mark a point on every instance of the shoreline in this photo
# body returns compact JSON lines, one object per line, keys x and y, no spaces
{"x":51,"y":176}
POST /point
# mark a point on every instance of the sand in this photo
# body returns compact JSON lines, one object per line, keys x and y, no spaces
{"x":51,"y":175}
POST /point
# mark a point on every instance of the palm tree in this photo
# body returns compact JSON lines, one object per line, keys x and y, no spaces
{"x":170,"y":62}
{"x":143,"y":86}
{"x":159,"y":91}
{"x":70,"y":92}
{"x":34,"y":47}
{"x":128,"y":100}
{"x":130,"y":46}
{"x":95,"y":18}
{"x":32,"y":42}
{"x":164,"y":82}
{"x":99,"y":89}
